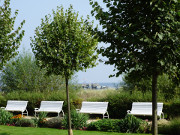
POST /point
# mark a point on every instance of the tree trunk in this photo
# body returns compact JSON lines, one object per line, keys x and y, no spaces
{"x":154,"y":104}
{"x":70,"y":132}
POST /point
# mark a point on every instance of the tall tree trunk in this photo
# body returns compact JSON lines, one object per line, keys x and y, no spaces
{"x":70,"y":132}
{"x":154,"y":103}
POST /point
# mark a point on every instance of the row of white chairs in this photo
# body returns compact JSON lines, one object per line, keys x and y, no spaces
{"x":56,"y":107}
{"x":138,"y":108}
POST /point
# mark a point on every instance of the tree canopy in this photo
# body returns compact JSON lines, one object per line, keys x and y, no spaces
{"x":9,"y":38}
{"x":143,"y":35}
{"x":64,"y":44}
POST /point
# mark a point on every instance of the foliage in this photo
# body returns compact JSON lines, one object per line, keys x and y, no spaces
{"x":165,"y":85}
{"x":22,"y":73}
{"x":5,"y":117}
{"x":173,"y":128}
{"x":55,"y":122}
{"x":144,"y":38}
{"x":131,"y":124}
{"x":172,"y":109}
{"x":25,"y":123}
{"x":40,"y":120}
{"x":107,"y":125}
{"x":64,"y":43}
{"x":79,"y":120}
{"x":140,"y":84}
{"x":10,"y":38}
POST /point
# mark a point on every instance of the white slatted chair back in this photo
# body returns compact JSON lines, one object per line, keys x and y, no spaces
{"x":94,"y":108}
{"x":16,"y":105}
{"x":145,"y":108}
{"x":50,"y":106}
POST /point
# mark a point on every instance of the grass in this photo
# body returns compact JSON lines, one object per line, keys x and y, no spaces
{"x":11,"y":130}
{"x":90,"y":94}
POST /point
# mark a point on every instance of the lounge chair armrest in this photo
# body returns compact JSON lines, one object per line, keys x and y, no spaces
{"x":78,"y":110}
{"x":128,"y":111}
{"x":2,"y":107}
{"x":36,"y":109}
{"x":162,"y":115}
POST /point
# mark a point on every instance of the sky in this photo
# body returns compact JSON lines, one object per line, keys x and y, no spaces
{"x":32,"y":11}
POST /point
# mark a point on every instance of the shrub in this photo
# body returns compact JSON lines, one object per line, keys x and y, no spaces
{"x":172,"y":109}
{"x":40,"y":120}
{"x":105,"y":125}
{"x":173,"y":128}
{"x":16,"y":118}
{"x":144,"y":127}
{"x":55,"y":122}
{"x":25,"y":123}
{"x":22,"y":73}
{"x":130,"y":124}
{"x":5,"y":117}
{"x":79,"y":120}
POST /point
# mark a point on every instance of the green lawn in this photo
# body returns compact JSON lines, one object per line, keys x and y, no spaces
{"x":11,"y":130}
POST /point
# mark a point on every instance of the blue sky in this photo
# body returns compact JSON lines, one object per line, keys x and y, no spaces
{"x":33,"y":10}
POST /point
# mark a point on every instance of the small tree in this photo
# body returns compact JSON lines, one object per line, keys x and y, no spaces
{"x":22,"y":73}
{"x":9,"y":38}
{"x":64,"y":45}
{"x":144,"y":38}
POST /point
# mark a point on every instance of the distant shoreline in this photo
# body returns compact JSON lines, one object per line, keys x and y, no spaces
{"x":101,"y":85}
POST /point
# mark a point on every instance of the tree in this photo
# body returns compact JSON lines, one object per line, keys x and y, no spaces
{"x":165,"y":83}
{"x":143,"y":37}
{"x":9,"y":38}
{"x":63,"y":45}
{"x":132,"y":83}
{"x":22,"y":73}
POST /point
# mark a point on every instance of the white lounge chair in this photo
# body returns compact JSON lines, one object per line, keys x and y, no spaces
{"x":94,"y":108}
{"x":51,"y":107}
{"x":145,"y":109}
{"x":16,"y":106}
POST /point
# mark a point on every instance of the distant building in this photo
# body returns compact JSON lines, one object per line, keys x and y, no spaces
{"x":93,"y":86}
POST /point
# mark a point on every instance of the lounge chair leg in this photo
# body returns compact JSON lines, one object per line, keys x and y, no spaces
{"x":108,"y":115}
{"x":62,"y":113}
